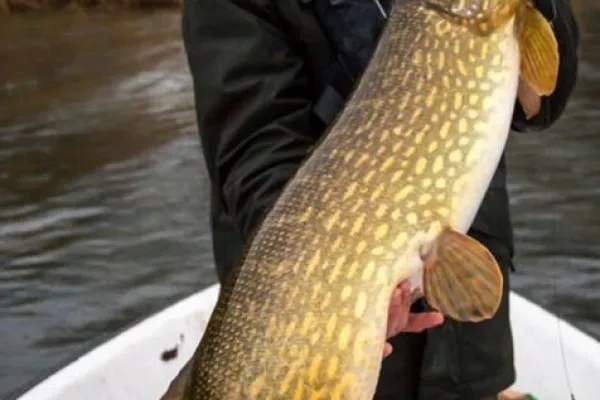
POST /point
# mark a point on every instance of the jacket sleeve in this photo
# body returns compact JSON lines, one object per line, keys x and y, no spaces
{"x":252,"y":103}
{"x":560,"y":15}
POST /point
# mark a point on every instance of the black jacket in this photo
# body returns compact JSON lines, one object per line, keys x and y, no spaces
{"x":255,"y":89}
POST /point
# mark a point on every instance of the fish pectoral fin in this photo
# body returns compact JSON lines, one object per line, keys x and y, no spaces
{"x":461,"y":278}
{"x":539,"y":54}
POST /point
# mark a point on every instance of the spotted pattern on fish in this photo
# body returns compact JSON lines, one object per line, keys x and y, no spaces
{"x":304,"y":315}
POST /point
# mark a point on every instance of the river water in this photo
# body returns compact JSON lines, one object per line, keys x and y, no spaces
{"x":104,"y":194}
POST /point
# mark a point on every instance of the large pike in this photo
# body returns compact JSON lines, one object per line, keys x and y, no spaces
{"x":388,"y":194}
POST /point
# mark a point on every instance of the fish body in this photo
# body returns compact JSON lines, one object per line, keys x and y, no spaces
{"x":407,"y":162}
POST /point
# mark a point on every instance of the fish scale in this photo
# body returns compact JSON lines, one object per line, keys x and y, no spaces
{"x":303,"y":315}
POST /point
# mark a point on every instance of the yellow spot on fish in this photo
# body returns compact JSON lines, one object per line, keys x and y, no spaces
{"x":461,"y":67}
{"x":444,"y":130}
{"x":356,"y":227}
{"x":479,"y":70}
{"x":377,"y":192}
{"x":256,"y":386}
{"x":411,"y":218}
{"x":455,"y":155}
{"x":400,"y":240}
{"x":360,"y":305}
{"x":426,"y":183}
{"x":419,"y":136}
{"x":299,"y":392}
{"x":314,"y":261}
{"x":381,"y":231}
{"x":386,"y":164}
{"x":338,"y":241}
{"x":361,"y":246}
{"x":345,"y":335}
{"x":416,"y":114}
{"x":315,"y":337}
{"x":314,"y":367}
{"x":368,"y":271}
{"x":290,"y":328}
{"x":350,"y":190}
{"x":424,"y":199}
{"x":458,"y":99}
{"x":420,"y":165}
{"x":404,"y":192}
{"x":346,"y":292}
{"x":362,"y":159}
{"x":418,"y":57}
{"x":381,"y":210}
{"x":306,"y":323}
{"x":325,"y":302}
{"x":306,"y":215}
{"x":432,"y":147}
{"x":332,"y":367}
{"x":480,"y":127}
{"x":497,"y":60}
{"x":382,"y":276}
{"x":348,"y":156}
{"x":287,"y":380}
{"x":377,"y":251}
{"x":431,"y":97}
{"x":330,"y":223}
{"x":396,"y":214}
{"x":474,"y":152}
{"x":337,"y":268}
{"x":397,"y":175}
{"x":473,"y":99}
{"x":462,"y":125}
{"x":484,"y":49}
{"x":340,"y":390}
{"x":438,"y":164}
{"x":330,"y":327}
{"x":369,"y":176}
{"x":442,"y":28}
{"x":443,"y":211}
{"x":440,"y":183}
{"x":446,"y":82}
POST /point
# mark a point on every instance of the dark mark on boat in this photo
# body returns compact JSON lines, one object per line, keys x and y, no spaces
{"x":169,"y":354}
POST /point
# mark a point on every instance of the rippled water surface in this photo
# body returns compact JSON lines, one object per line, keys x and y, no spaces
{"x":104,"y":195}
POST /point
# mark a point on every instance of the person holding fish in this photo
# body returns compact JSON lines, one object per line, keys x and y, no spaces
{"x":271,"y":77}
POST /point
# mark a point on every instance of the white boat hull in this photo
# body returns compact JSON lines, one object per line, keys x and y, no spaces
{"x":131,"y":365}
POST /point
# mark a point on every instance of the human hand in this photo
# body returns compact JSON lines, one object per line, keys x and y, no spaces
{"x":400,"y":319}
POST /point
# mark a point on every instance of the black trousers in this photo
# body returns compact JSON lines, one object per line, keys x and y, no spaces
{"x":455,"y":361}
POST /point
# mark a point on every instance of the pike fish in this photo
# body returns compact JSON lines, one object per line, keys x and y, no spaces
{"x":387,"y":195}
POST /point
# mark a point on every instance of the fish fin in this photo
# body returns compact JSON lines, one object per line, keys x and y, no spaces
{"x":461,"y":278}
{"x":539,"y":52}
{"x":529,"y":99}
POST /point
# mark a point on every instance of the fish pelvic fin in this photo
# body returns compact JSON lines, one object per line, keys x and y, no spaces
{"x":539,"y":60}
{"x":461,"y":278}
